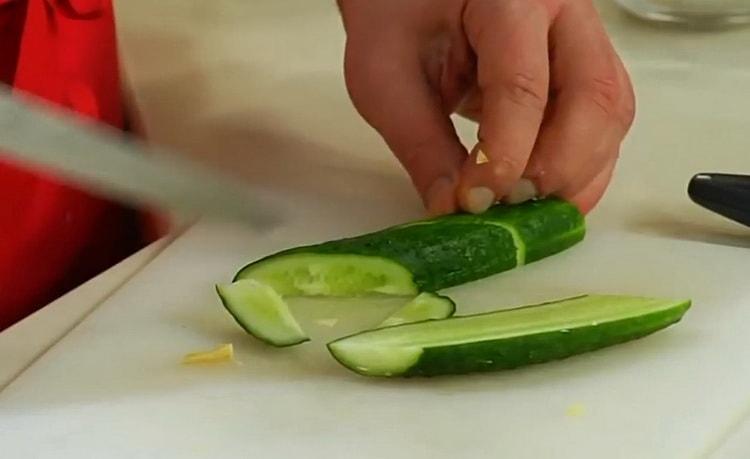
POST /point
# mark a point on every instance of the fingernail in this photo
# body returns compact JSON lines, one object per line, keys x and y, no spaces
{"x":479,"y":199}
{"x":440,"y":196}
{"x":523,"y":191}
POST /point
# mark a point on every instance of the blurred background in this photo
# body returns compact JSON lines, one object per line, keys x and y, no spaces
{"x":208,"y":79}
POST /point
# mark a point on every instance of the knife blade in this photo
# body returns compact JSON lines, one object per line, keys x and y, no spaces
{"x":111,"y":163}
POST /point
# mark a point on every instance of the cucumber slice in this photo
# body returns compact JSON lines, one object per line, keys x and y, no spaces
{"x":423,"y":256}
{"x":426,"y":306}
{"x":261,"y":311}
{"x":505,"y":339}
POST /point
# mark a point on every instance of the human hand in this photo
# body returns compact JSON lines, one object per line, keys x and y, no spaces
{"x":552,"y":98}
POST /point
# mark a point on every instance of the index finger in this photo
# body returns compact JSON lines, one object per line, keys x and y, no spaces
{"x":389,"y":88}
{"x":510,"y":40}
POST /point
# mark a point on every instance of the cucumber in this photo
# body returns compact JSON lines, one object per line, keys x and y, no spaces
{"x":426,"y":306}
{"x":310,"y":274}
{"x":428,"y":255}
{"x":261,"y":311}
{"x":505,"y":339}
{"x":544,"y":227}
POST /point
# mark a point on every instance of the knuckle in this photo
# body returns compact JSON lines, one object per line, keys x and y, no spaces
{"x":504,"y":165}
{"x":526,"y":90}
{"x":365,"y":66}
{"x":412,"y":151}
{"x":355,"y":83}
{"x":520,"y":10}
{"x":356,"y":70}
{"x":605,"y":92}
{"x":627,"y":109}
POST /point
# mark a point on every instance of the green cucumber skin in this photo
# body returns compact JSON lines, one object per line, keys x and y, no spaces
{"x":526,"y":350}
{"x":484,"y":355}
{"x":253,"y":332}
{"x":546,"y":227}
{"x":453,"y":254}
{"x":452,"y":250}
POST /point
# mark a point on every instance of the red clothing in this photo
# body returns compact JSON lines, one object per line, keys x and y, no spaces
{"x":54,"y":236}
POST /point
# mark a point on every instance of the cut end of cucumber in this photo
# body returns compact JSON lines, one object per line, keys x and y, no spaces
{"x":426,"y":306}
{"x":262,"y":312}
{"x":541,"y":227}
{"x":369,"y":360}
{"x":506,"y":339}
{"x":312,"y":274}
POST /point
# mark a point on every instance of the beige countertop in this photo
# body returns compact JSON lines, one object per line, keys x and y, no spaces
{"x":22,"y":343}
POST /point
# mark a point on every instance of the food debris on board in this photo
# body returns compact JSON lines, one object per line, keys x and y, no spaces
{"x":327,"y":322}
{"x":576,"y":410}
{"x":223,"y":353}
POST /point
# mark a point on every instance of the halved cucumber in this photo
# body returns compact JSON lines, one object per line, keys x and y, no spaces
{"x":311,"y":274}
{"x":426,"y":306}
{"x":505,"y":339}
{"x":423,"y":256}
{"x":261,"y":311}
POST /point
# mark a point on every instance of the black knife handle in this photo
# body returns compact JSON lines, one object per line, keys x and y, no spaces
{"x":725,"y":194}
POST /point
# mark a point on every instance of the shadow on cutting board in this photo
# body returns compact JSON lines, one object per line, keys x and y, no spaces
{"x":708,"y":229}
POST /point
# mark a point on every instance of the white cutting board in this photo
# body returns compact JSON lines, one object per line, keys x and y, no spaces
{"x":114,"y":386}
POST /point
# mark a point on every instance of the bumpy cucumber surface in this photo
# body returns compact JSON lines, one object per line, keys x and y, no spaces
{"x":428,"y":255}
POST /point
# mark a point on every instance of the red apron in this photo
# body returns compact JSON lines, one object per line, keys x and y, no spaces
{"x":52,"y":235}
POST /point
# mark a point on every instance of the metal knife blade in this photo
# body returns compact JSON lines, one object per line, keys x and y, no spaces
{"x":111,"y":163}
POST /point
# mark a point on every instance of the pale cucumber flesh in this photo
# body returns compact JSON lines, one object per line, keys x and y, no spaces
{"x":309,"y":274}
{"x":405,"y":260}
{"x":262,"y":312}
{"x":507,"y":338}
{"x":424,"y":256}
{"x":426,"y":306}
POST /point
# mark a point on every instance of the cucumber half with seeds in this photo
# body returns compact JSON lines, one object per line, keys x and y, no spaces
{"x":310,"y":274}
{"x":505,"y":339}
{"x":424,"y":256}
{"x":426,"y":306}
{"x":262,"y":312}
